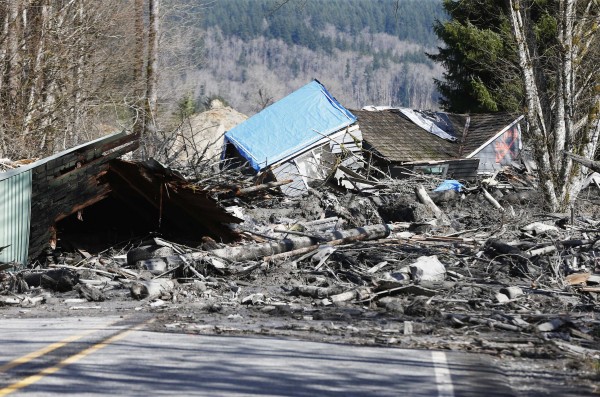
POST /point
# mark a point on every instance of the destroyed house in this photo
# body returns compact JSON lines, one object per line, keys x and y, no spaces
{"x":298,"y":138}
{"x":44,"y":200}
{"x":447,"y":145}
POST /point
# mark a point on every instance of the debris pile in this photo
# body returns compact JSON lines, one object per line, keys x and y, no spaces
{"x":469,"y":266}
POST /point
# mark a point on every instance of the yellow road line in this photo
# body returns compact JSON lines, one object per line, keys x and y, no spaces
{"x":69,"y":360}
{"x":38,"y":353}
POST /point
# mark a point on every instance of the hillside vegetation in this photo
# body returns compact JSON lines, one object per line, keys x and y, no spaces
{"x":366,"y":52}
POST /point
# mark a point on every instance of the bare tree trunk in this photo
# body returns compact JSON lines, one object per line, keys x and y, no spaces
{"x":38,"y":40}
{"x":56,"y":57}
{"x":569,"y":121}
{"x":138,"y":67}
{"x":79,"y":55}
{"x":12,"y":57}
{"x":535,"y":113}
{"x":152,"y":68}
{"x":566,"y":94}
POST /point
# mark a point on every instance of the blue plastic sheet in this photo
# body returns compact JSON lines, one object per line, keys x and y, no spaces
{"x":290,"y":125}
{"x":449,"y":184}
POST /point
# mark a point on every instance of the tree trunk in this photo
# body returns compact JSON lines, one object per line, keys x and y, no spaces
{"x":254,"y":252}
{"x":13,"y":58}
{"x":36,"y":72}
{"x":138,"y":67}
{"x":557,"y":95}
{"x":152,"y":68}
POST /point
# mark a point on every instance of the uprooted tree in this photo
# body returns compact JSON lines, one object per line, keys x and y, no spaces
{"x":562,"y":89}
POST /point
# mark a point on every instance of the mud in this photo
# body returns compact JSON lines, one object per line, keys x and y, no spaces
{"x":550,"y":325}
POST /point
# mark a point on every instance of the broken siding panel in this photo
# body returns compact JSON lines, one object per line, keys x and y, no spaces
{"x":15,"y":217}
{"x":316,"y":164}
{"x":312,"y":166}
{"x":289,"y":170}
{"x":463,"y":169}
{"x":67,"y":182}
{"x":349,"y":139}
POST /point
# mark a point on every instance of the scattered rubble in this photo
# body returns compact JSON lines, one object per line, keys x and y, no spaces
{"x":479,"y":268}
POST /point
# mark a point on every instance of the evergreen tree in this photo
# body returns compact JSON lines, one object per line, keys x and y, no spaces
{"x":480,"y":58}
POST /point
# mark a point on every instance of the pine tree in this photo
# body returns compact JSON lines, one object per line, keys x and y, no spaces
{"x":480,"y":58}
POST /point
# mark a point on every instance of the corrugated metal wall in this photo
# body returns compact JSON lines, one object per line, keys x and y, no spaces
{"x":15,"y":216}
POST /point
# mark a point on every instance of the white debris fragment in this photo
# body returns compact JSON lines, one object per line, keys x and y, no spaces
{"x":428,"y":268}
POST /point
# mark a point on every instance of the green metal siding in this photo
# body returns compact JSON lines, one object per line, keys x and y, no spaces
{"x":15,"y":216}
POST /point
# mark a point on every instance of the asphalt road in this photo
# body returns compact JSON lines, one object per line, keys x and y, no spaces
{"x":115,"y":356}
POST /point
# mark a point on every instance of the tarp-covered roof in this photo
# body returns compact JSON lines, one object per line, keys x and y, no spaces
{"x":289,"y":125}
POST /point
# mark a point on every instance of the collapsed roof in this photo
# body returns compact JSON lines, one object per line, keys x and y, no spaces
{"x":399,"y":136}
{"x":36,"y":197}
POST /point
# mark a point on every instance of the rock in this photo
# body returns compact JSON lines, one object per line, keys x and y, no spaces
{"x":551,"y":325}
{"x":540,"y":229}
{"x":501,"y":298}
{"x":60,"y":280}
{"x":152,"y":289}
{"x":391,"y":304}
{"x":512,"y":292}
{"x":253,"y":299}
{"x":90,"y":293}
{"x":428,"y":268}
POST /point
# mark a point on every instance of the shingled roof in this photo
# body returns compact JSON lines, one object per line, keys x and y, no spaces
{"x":482,"y":127}
{"x":398,"y":139}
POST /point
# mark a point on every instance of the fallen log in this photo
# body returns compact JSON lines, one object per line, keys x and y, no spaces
{"x":492,"y":200}
{"x":310,"y":248}
{"x":426,"y":200}
{"x":241,"y":191}
{"x":23,"y":301}
{"x":259,"y":251}
{"x":358,"y":293}
{"x":541,"y":251}
{"x":592,"y":165}
{"x":268,"y":251}
{"x":316,"y":292}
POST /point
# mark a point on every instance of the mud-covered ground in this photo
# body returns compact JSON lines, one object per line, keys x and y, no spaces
{"x":546,"y":334}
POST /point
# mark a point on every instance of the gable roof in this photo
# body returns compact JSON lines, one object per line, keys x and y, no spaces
{"x":481,"y":128}
{"x":290,"y":125}
{"x":398,"y":139}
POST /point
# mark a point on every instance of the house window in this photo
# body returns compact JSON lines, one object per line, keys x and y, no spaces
{"x":433,"y":169}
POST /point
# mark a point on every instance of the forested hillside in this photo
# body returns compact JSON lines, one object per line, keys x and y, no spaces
{"x":365,"y":51}
{"x":72,"y":70}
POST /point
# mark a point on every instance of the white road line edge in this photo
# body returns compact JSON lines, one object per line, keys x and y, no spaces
{"x":442,"y":374}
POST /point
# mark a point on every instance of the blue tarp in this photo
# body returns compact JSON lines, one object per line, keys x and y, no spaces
{"x":289,"y":125}
{"x":449,"y":184}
